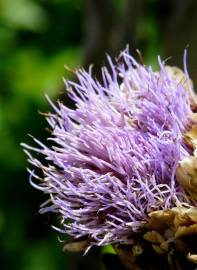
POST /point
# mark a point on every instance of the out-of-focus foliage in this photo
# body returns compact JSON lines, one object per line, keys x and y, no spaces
{"x":37,"y":38}
{"x":27,"y":15}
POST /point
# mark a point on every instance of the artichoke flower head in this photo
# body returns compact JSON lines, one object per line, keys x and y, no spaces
{"x":122,"y":165}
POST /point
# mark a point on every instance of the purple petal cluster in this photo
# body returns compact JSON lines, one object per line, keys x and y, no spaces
{"x":113,"y":158}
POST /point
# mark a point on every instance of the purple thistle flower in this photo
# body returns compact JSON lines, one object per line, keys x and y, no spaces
{"x":113,"y":158}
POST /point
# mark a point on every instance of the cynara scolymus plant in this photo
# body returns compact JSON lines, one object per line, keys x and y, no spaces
{"x":121,"y":164}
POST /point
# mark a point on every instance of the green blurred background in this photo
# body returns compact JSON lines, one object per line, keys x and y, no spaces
{"x":37,"y":38}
